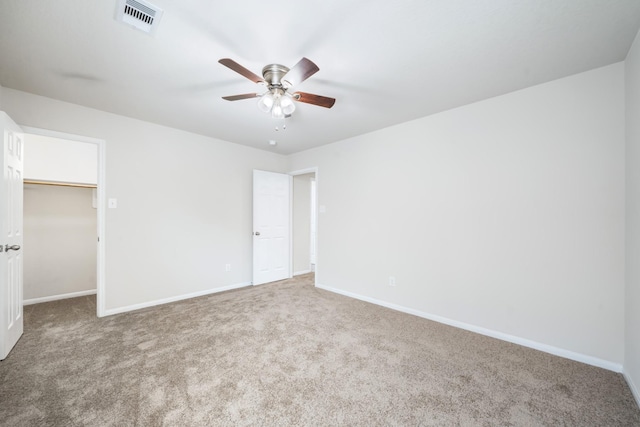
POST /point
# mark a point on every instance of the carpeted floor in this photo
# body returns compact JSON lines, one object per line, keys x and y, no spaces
{"x":288,"y":354}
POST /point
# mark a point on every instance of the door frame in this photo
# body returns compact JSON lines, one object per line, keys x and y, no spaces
{"x":101,"y":164}
{"x":315,"y":171}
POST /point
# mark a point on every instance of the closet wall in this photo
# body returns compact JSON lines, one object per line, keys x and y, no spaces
{"x":60,"y":222}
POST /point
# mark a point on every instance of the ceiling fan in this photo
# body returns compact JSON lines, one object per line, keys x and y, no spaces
{"x":278,"y":79}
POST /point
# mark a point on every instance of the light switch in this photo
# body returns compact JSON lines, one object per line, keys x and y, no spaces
{"x":113,"y":203}
{"x":323,"y":208}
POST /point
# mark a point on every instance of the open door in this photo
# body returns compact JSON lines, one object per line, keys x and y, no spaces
{"x":271,"y":227}
{"x":11,"y":159}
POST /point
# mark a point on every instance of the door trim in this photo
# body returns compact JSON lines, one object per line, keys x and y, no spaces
{"x":101,"y":285}
{"x":315,"y":171}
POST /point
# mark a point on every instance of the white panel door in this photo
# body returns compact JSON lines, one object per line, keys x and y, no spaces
{"x":11,"y":159}
{"x":271,"y":226}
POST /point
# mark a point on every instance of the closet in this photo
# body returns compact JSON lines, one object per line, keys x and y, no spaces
{"x":60,"y":218}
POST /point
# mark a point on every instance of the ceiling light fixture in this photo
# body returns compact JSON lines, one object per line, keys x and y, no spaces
{"x":277,"y":101}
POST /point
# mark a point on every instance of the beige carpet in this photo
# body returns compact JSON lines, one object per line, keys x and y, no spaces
{"x":288,"y":354}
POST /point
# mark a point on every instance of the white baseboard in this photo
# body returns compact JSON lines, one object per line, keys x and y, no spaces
{"x":133,"y":307}
{"x":58,"y":297}
{"x":589,"y":360}
{"x":298,"y":273}
{"x":632,"y":386}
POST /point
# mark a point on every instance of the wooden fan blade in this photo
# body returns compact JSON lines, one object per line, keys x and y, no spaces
{"x":310,"y":98}
{"x":239,"y":97}
{"x":300,"y":72}
{"x":230,"y":63}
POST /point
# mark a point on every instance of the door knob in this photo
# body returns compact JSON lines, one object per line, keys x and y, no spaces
{"x":8,"y":248}
{"x":257,"y":233}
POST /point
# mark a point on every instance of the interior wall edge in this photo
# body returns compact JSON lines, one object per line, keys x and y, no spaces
{"x":59,"y":135}
{"x":556,"y":351}
{"x":304,"y":171}
{"x":634,"y":389}
{"x":59,"y":297}
{"x":299,"y":273}
{"x":133,"y":307}
{"x":632,"y":219}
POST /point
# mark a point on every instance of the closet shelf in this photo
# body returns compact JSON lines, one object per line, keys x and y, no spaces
{"x":60,"y":184}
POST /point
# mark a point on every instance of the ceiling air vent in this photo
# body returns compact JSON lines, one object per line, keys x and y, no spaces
{"x":139,"y":14}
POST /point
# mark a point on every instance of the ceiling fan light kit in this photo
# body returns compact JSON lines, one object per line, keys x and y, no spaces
{"x":277,"y":101}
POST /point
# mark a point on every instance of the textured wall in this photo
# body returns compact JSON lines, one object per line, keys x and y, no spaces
{"x":507,"y":215}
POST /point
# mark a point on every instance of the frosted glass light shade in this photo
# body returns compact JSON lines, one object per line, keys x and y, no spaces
{"x":265,"y":103}
{"x":276,"y":111}
{"x":277,"y":102}
{"x":287,"y":104}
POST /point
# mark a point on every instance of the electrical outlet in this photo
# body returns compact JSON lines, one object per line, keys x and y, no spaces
{"x":392,"y":281}
{"x":227,"y":267}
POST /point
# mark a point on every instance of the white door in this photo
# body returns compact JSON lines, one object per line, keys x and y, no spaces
{"x":271,"y":227}
{"x":11,"y":235}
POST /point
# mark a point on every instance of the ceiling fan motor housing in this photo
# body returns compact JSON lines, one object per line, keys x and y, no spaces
{"x":273,"y":74}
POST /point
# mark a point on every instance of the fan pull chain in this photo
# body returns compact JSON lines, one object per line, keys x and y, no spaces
{"x":284,"y":125}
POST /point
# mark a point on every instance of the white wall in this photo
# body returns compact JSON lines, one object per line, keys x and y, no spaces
{"x":58,"y":160}
{"x":632,"y":308}
{"x":506,"y":216}
{"x":302,"y":222}
{"x":184,"y":201}
{"x":60,"y":229}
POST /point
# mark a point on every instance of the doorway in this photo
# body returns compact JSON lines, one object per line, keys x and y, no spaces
{"x":77,"y":179}
{"x":304,"y":222}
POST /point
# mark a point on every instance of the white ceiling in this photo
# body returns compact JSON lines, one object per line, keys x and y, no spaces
{"x":385,"y":62}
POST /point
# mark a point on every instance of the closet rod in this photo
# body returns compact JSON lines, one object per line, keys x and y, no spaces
{"x":60,"y":184}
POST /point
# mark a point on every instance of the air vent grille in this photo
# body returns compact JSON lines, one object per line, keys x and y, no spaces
{"x":139,"y":11}
{"x":139,"y":14}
